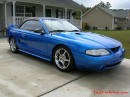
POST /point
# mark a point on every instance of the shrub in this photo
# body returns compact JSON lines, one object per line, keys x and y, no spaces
{"x":106,"y":28}
{"x":88,"y":27}
{"x":118,"y":28}
{"x":94,"y":28}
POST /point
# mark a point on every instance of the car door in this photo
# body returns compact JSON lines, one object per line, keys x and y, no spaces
{"x":32,"y":40}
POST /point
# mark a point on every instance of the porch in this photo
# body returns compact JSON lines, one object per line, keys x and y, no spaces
{"x":121,"y":23}
{"x":17,"y":12}
{"x":1,"y":16}
{"x":76,"y":22}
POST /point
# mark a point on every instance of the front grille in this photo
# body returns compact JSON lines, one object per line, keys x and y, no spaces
{"x":112,"y":64}
{"x":115,"y":49}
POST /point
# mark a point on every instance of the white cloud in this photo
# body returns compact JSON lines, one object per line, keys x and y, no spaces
{"x":116,"y":4}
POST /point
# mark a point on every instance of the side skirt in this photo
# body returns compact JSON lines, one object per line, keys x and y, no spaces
{"x":35,"y":55}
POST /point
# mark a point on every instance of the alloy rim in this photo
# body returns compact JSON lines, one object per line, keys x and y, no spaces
{"x":12,"y":45}
{"x":62,"y":58}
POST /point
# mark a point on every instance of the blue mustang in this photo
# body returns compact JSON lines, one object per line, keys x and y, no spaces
{"x":59,"y":41}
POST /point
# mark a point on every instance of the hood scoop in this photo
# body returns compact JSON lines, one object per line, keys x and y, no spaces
{"x":78,"y":33}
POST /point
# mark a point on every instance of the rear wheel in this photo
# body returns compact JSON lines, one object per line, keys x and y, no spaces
{"x":63,"y":59}
{"x":13,"y":45}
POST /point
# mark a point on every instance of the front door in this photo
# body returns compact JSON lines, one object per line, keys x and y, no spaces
{"x":48,"y":12}
{"x":36,"y":43}
{"x":32,"y":41}
{"x":59,"y":13}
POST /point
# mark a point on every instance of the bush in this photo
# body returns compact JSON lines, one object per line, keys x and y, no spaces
{"x":128,"y":28}
{"x":118,"y":28}
{"x":88,"y":27}
{"x":106,"y":28}
{"x":94,"y":28}
{"x":3,"y":32}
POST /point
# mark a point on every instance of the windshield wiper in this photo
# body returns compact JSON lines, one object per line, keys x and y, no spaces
{"x":58,"y":31}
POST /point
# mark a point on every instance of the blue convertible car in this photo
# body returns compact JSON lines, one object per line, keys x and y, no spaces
{"x":65,"y":45}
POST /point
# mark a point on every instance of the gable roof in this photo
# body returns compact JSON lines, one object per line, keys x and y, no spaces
{"x":112,"y":12}
{"x":116,"y":13}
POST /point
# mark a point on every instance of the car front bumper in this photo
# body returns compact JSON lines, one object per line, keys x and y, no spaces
{"x":100,"y":63}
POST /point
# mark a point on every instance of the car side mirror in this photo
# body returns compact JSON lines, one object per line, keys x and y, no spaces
{"x":42,"y":32}
{"x":16,"y":26}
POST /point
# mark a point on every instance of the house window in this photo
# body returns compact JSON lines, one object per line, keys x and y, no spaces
{"x":25,"y":11}
{"x":20,"y":11}
{"x":115,"y":20}
{"x":59,"y":13}
{"x":29,"y":11}
{"x":48,"y":12}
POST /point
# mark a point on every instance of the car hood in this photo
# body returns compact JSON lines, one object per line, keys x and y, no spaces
{"x":89,"y":39}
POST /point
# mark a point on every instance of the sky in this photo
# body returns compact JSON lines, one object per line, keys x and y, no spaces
{"x":116,"y":4}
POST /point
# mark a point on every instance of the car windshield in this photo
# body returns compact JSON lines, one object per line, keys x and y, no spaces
{"x":57,"y":25}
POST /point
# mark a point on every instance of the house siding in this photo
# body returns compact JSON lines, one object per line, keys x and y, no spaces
{"x":128,"y":25}
{"x":98,"y":18}
{"x":128,"y":21}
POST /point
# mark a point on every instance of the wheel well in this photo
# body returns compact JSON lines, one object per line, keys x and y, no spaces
{"x":10,"y":38}
{"x":57,"y":47}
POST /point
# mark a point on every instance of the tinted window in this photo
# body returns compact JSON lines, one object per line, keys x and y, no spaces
{"x":31,"y":26}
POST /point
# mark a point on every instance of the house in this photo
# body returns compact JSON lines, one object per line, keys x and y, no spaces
{"x":103,"y":18}
{"x":16,"y":11}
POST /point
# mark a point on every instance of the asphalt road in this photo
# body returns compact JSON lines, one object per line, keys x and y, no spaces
{"x":22,"y":75}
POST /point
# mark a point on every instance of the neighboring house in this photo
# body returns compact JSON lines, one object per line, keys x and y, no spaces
{"x":102,"y":18}
{"x":16,"y":11}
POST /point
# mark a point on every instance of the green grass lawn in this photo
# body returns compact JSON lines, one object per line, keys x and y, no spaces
{"x":123,"y":36}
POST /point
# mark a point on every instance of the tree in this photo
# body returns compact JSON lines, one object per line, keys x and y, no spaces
{"x":102,"y":4}
{"x":87,"y":9}
{"x":107,"y":5}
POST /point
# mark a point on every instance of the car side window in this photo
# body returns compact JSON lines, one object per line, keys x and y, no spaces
{"x":32,"y":25}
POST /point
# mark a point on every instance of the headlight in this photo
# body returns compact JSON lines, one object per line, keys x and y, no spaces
{"x":97,"y":52}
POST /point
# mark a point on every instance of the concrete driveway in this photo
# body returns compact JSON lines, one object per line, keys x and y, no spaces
{"x":22,"y":75}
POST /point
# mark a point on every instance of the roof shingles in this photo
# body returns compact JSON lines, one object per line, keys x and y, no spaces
{"x":117,"y":13}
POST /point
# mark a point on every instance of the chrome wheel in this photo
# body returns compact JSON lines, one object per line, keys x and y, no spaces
{"x":62,"y":58}
{"x":13,"y":45}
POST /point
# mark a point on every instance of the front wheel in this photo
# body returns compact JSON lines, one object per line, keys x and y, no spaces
{"x":13,"y":45}
{"x":63,"y":59}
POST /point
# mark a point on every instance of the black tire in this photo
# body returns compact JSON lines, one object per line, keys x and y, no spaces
{"x":70,"y":67}
{"x":13,"y":45}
